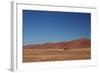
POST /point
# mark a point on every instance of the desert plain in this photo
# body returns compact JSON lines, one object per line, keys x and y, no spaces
{"x":71,"y":50}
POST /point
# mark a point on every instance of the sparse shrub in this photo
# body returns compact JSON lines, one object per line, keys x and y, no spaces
{"x":66,"y":48}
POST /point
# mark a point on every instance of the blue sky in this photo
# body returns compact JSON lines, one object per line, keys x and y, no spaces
{"x":49,"y":26}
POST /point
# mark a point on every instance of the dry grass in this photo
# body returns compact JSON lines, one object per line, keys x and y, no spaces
{"x":38,"y":55}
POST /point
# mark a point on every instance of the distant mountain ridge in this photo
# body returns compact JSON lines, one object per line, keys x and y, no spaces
{"x":79,"y":43}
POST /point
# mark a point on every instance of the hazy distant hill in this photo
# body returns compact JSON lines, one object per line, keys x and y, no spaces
{"x":79,"y":43}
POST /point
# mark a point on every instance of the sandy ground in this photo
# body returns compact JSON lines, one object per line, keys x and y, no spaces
{"x":39,"y":55}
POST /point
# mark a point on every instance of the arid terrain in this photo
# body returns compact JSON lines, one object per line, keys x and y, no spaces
{"x":68,"y":50}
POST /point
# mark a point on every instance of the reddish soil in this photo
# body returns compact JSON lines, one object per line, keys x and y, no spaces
{"x":68,"y":50}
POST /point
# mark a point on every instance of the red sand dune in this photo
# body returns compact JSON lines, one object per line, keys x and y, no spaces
{"x":79,"y":43}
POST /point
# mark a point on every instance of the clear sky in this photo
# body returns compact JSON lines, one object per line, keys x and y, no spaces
{"x":49,"y":26}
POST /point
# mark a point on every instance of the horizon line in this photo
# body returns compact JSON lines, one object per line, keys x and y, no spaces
{"x":58,"y":41}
